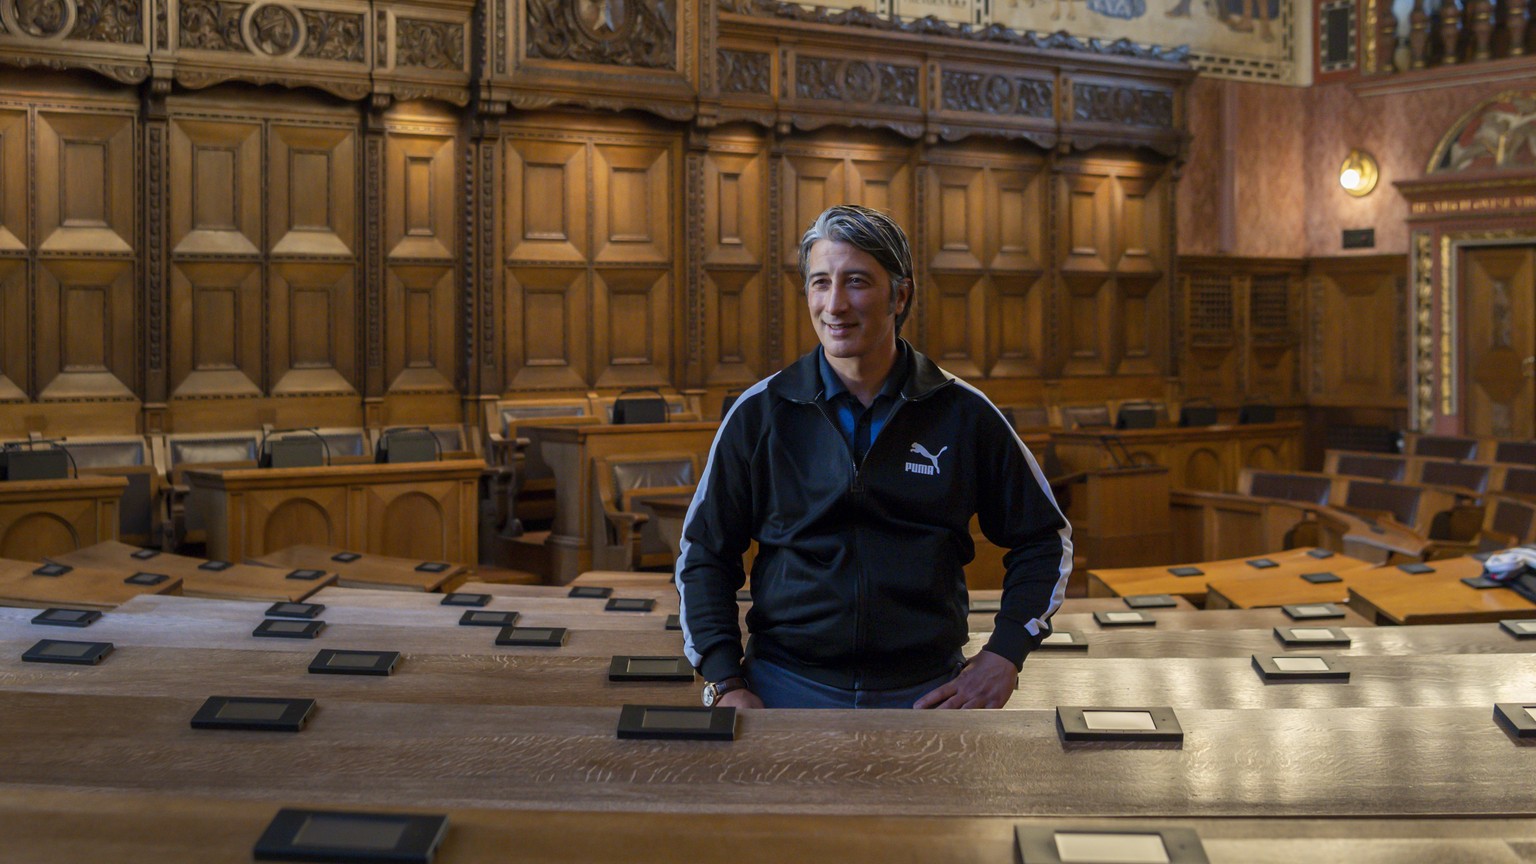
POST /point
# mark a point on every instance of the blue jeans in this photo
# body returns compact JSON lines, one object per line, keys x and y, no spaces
{"x":780,"y":688}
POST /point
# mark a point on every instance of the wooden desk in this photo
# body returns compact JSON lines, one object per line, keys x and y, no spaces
{"x":425,"y":511}
{"x":569,"y":452}
{"x":82,"y":588}
{"x":1200,"y":619}
{"x":1426,"y":639}
{"x":369,"y":571}
{"x":1470,"y":680}
{"x":1159,"y":580}
{"x":237,"y":582}
{"x":1388,"y":595}
{"x":39,"y":518}
{"x":1205,"y":458}
{"x":1330,"y":762}
{"x":47,"y":826}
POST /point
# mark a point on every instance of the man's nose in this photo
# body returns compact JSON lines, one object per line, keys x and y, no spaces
{"x":837,"y":297}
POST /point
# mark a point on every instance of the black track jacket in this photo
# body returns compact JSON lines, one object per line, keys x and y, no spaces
{"x":858,"y":580}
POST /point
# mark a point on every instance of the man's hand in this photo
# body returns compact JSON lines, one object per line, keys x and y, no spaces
{"x":742,"y":698}
{"x":987,"y":681}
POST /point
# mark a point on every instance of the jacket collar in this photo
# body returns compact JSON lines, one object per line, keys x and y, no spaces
{"x":801,"y":380}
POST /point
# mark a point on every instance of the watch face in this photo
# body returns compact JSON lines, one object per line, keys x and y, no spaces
{"x":710,"y":695}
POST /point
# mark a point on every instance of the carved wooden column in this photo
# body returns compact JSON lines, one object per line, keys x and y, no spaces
{"x":155,"y":243}
{"x":1418,"y":36}
{"x":1480,"y":13}
{"x":692,"y":359}
{"x":1515,"y":22}
{"x":1386,"y":37}
{"x":1450,"y":31}
{"x":372,"y":271}
{"x":480,"y":369}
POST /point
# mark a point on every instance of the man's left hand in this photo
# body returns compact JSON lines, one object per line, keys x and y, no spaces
{"x":987,"y":681}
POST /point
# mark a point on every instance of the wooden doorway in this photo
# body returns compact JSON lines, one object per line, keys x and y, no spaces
{"x":1499,"y":340}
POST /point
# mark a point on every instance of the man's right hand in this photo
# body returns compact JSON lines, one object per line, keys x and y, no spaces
{"x":742,"y":698}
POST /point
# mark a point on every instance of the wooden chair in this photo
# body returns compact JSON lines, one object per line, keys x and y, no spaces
{"x":132,"y":457}
{"x":1140,"y":414}
{"x":454,"y":440}
{"x":1514,"y":452}
{"x":182,"y":514}
{"x":1433,"y":513}
{"x":1465,"y":478}
{"x":524,"y":486}
{"x":630,"y":539}
{"x":1506,"y":522}
{"x":1285,"y":485}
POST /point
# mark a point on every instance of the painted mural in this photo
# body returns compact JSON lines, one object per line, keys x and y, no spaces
{"x":1247,"y":39}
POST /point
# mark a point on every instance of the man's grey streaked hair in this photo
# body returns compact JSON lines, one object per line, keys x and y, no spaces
{"x":869,"y":231}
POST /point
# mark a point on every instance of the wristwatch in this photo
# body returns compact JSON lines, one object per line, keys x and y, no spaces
{"x":713,"y":690}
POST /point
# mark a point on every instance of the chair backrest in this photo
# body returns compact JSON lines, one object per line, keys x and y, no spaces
{"x":1256,"y":413}
{"x":1084,"y":416}
{"x":224,"y":449}
{"x":639,"y":405}
{"x":1466,"y":475}
{"x":1289,"y":487}
{"x":1138,"y":415}
{"x":1521,"y":480}
{"x":506,"y":414}
{"x":661,"y":471}
{"x":123,"y":452}
{"x":1401,"y":501}
{"x":1515,"y":518}
{"x":1515,"y":452}
{"x":1443,"y":446}
{"x":1197,"y":413}
{"x":1378,"y":467}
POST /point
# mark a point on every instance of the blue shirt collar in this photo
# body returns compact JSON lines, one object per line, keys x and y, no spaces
{"x":832,"y":386}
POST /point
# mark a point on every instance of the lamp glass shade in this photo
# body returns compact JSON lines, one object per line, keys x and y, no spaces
{"x":1358,"y":174}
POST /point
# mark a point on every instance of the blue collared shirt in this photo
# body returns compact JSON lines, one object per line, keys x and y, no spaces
{"x":861,"y":426}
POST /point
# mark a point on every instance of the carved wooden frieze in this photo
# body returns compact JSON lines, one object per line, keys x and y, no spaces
{"x":608,"y":32}
{"x":333,"y":36}
{"x":744,"y":72}
{"x":830,"y":78}
{"x":1001,"y":95}
{"x":1121,"y":105}
{"x":113,"y":21}
{"x":212,"y":25}
{"x":106,"y":36}
{"x":437,"y":45}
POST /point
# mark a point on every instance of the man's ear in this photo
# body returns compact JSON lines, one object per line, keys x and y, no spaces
{"x":903,"y":296}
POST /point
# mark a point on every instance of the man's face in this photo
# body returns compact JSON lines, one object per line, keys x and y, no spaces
{"x":849,"y":294}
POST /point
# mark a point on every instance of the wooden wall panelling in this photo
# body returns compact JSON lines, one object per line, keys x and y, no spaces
{"x":15,"y":240}
{"x":1274,"y":338}
{"x":1355,"y":365}
{"x":957,"y":289}
{"x":216,"y":238}
{"x":1497,"y":338}
{"x":1084,"y":260}
{"x":84,"y":294}
{"x":547,"y":316}
{"x":1018,"y":256}
{"x":635,"y":253}
{"x":421,"y":239}
{"x":1142,"y":246}
{"x":312,"y":282}
{"x":1210,"y":367}
{"x":734,"y":252}
{"x":216,"y":326}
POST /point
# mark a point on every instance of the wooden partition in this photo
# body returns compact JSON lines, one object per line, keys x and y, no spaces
{"x":1207,"y":458}
{"x":39,"y":518}
{"x":420,"y":510}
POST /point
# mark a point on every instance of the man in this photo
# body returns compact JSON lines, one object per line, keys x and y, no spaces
{"x":857,"y":470}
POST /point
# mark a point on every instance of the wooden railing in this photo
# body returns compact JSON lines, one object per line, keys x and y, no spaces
{"x":1453,"y":33}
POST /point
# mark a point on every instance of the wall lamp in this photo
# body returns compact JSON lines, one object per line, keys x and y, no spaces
{"x":1358,"y":174}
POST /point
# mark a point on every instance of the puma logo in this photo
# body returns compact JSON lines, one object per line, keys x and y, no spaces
{"x":917,"y":468}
